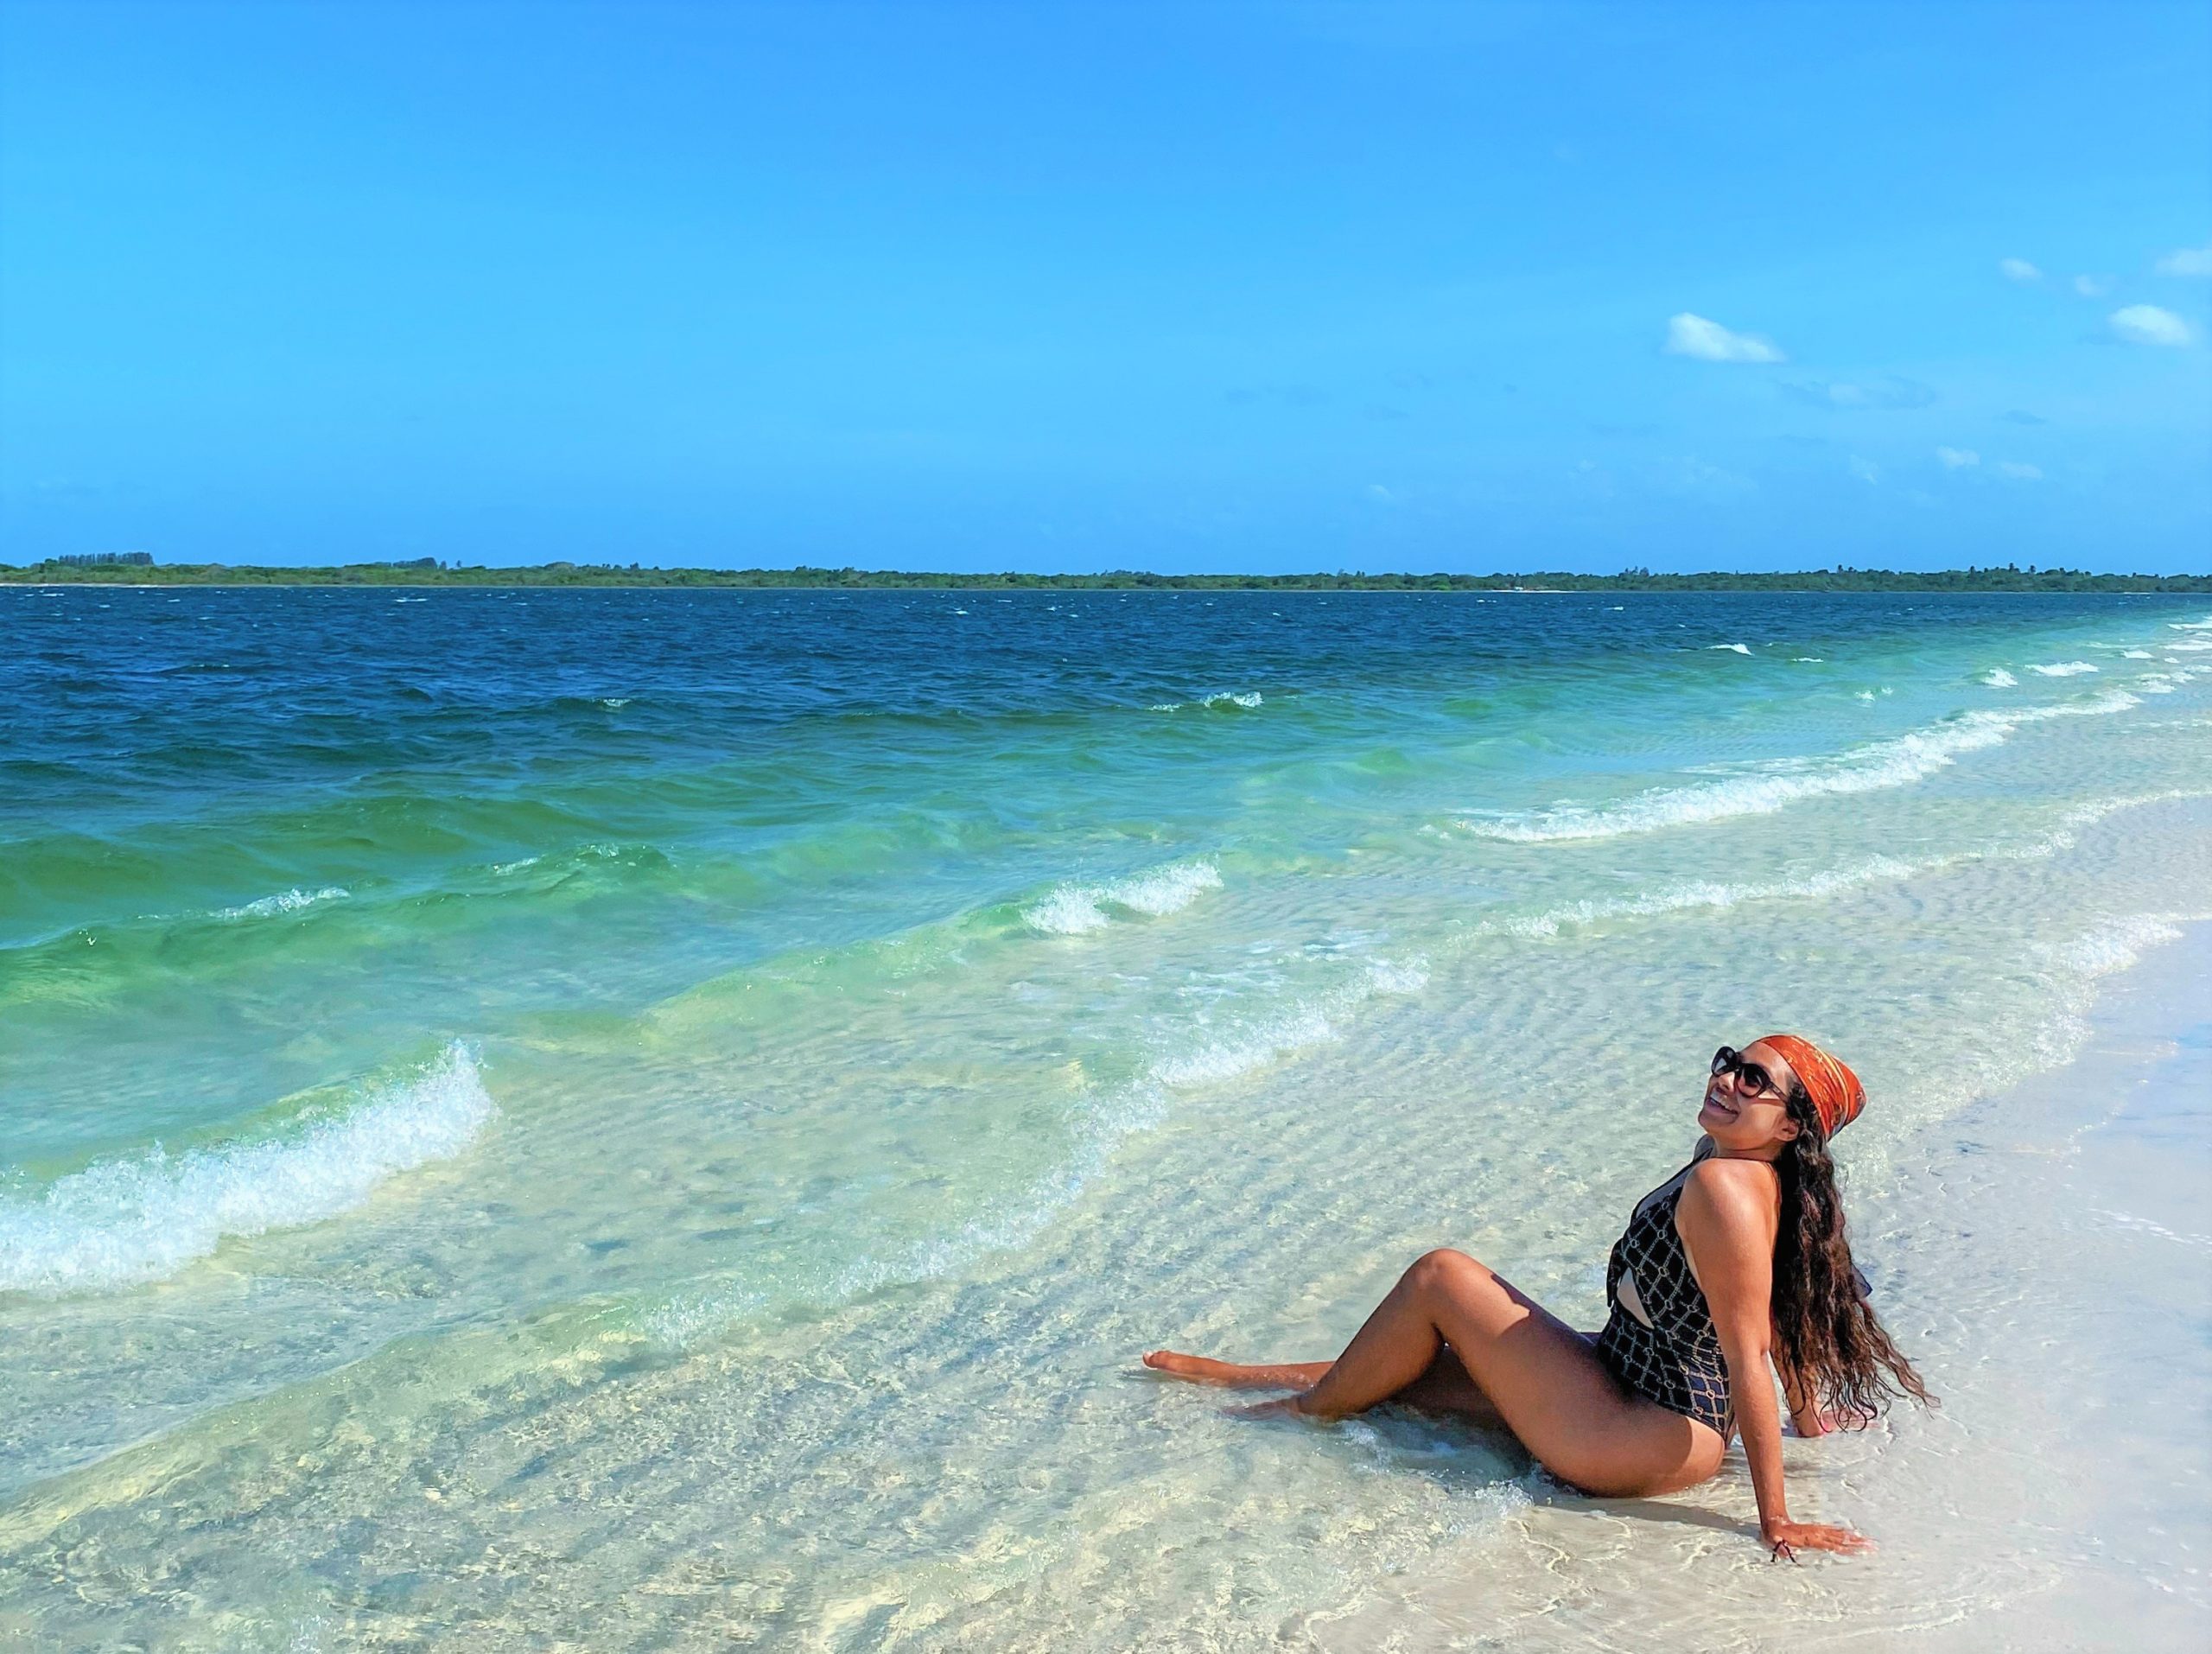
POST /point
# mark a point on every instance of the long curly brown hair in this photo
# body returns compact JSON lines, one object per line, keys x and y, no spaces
{"x":1824,"y":1328}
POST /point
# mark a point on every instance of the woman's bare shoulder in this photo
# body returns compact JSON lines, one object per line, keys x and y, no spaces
{"x":1726,"y":1191}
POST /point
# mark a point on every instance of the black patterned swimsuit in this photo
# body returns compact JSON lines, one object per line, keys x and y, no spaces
{"x":1671,"y":1353}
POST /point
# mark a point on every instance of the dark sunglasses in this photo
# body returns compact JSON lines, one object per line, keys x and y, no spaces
{"x":1750,"y":1076}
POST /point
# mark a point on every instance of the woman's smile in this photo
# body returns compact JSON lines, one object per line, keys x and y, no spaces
{"x":1719,"y":1105}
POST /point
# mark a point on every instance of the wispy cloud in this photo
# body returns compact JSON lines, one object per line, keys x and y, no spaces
{"x":2019,"y":270}
{"x":1865,"y":469}
{"x":2187,"y":261}
{"x":1709,"y":341}
{"x":2019,"y":472}
{"x":1689,"y":475}
{"x":1890,"y":394}
{"x":2022,"y":417}
{"x":2093,"y":287}
{"x":1956,"y":459}
{"x":2147,"y":324}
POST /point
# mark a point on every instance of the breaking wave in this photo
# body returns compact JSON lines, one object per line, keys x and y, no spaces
{"x":1076,"y":909}
{"x":1245,"y":698}
{"x":285,"y":901}
{"x":120,"y":1222}
{"x":1898,"y":761}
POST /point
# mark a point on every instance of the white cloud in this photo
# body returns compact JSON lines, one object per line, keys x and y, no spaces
{"x":2093,"y":287}
{"x":2019,"y":472}
{"x":1865,"y":469}
{"x":1381,"y":495}
{"x":2187,"y":261}
{"x":2147,"y":324}
{"x":2019,"y":270}
{"x":1693,"y":335}
{"x":1953,"y":458}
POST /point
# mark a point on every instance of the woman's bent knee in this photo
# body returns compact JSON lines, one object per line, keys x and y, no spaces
{"x":1443,"y":1268}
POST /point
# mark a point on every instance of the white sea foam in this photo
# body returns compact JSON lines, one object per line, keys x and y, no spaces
{"x":120,"y":1222}
{"x":1718,"y":895}
{"x":1703,"y":893}
{"x":1248,"y":1048}
{"x":1077,"y":909}
{"x":1998,"y":678}
{"x":2114,"y":946}
{"x":1389,"y":976}
{"x":285,"y":901}
{"x":1733,"y":648}
{"x":1070,"y":910}
{"x":1308,"y":1022}
{"x":2191,"y":625}
{"x":2063,"y":669}
{"x":1245,"y":698}
{"x":2136,"y":654}
{"x":2192,"y":647}
{"x":2151,"y":1227}
{"x":1899,"y":760}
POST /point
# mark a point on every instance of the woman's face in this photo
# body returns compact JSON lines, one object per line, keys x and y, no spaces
{"x":1747,"y":1105}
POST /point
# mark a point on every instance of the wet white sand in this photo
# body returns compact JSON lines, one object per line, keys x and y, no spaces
{"x":2047,"y":1257}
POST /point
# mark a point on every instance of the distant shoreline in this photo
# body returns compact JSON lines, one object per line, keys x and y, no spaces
{"x":566,"y":576}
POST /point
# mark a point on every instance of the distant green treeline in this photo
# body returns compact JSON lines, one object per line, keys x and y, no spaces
{"x":429,"y":572}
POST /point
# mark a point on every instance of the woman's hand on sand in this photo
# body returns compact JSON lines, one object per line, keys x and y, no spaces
{"x":1785,"y":1539}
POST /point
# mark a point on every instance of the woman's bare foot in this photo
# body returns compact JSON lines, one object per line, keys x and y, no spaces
{"x":1200,"y":1370}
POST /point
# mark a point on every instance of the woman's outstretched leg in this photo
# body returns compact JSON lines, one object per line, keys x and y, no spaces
{"x":1231,"y":1375}
{"x":1445,"y":1387}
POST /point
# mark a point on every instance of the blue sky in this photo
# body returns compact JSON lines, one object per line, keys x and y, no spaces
{"x":1185,"y":287}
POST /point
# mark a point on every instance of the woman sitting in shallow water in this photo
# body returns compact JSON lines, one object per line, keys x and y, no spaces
{"x":1737,"y":1260}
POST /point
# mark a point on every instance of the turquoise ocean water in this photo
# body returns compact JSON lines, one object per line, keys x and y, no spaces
{"x":659,"y":1119}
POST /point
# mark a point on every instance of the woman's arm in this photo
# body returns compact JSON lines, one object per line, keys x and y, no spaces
{"x":1726,"y":1216}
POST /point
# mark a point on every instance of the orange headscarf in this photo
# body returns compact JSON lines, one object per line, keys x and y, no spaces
{"x":1835,"y":1090}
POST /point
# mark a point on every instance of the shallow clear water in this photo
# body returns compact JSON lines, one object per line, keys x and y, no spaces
{"x":655,"y":1119}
